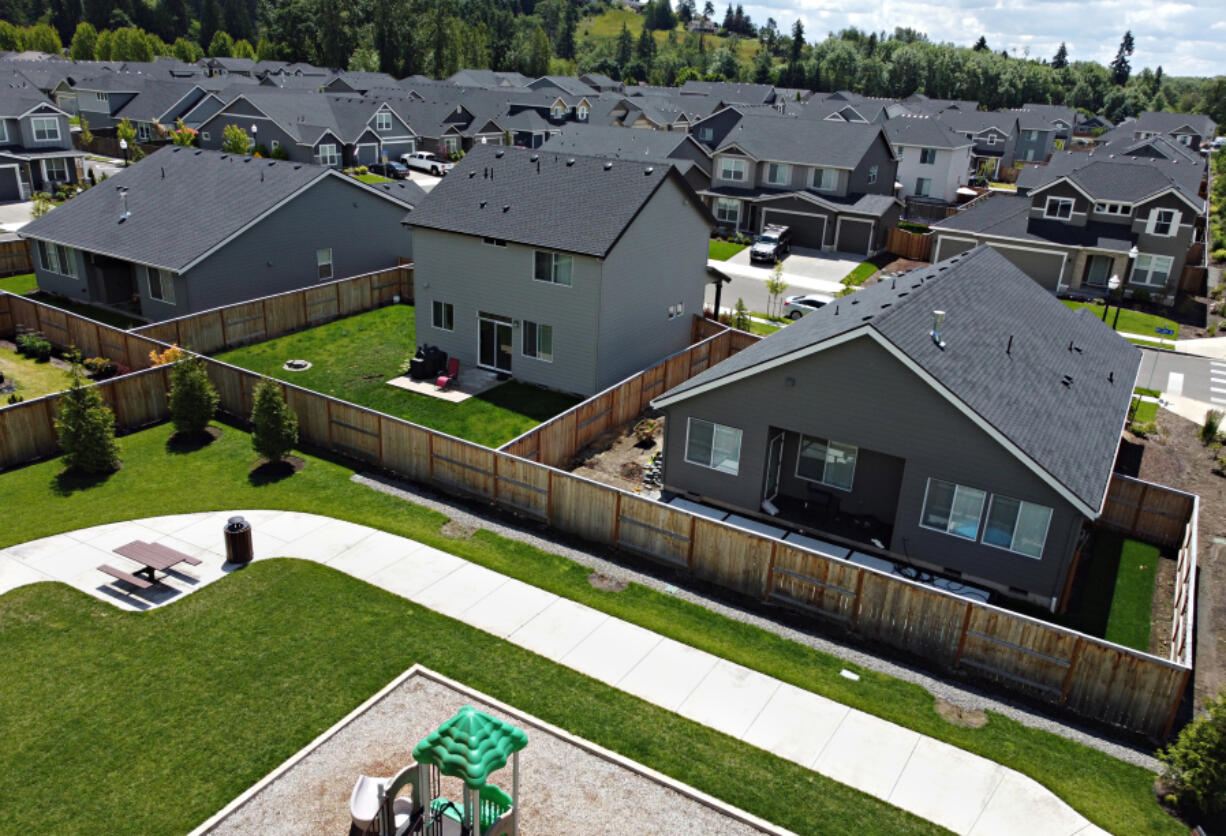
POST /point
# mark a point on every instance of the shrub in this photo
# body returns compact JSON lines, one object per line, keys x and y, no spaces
{"x":1219,"y":255}
{"x":86,"y":429}
{"x":1196,"y":761}
{"x":261,"y":150}
{"x":274,"y":426}
{"x":1141,"y":295}
{"x":1213,"y":423}
{"x":740,"y":316}
{"x":171,"y":355}
{"x":1145,"y":430}
{"x":15,"y":398}
{"x":279,"y":153}
{"x":34,"y":346}
{"x":100,"y":367}
{"x":193,"y":400}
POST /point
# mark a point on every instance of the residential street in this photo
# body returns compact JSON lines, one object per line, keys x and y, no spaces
{"x":1199,"y":378}
{"x":805,"y":271}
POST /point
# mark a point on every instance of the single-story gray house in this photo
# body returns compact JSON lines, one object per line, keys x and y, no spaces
{"x":959,"y":414}
{"x":186,"y":230}
{"x":564,"y":271}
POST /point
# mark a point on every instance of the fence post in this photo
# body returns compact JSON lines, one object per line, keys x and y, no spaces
{"x":617,"y":519}
{"x":855,"y":607}
{"x":1136,"y":517}
{"x":770,"y":572}
{"x":966,"y":625}
{"x":548,"y":498}
{"x":1072,"y":668}
{"x":689,"y":548}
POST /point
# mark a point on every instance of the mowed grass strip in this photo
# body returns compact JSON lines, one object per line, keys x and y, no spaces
{"x":19,"y":285}
{"x":354,"y":358}
{"x":1130,"y":621}
{"x":1132,"y":322}
{"x":32,"y":378}
{"x":156,"y":480}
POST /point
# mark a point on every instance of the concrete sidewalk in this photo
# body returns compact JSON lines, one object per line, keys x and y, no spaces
{"x":963,"y":792}
{"x":796,"y":283}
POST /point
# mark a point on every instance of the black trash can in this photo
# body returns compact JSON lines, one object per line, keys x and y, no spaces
{"x":238,"y":541}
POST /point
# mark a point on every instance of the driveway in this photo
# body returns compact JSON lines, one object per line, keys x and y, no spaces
{"x":426,"y":181}
{"x":805,"y":271}
{"x":13,"y":216}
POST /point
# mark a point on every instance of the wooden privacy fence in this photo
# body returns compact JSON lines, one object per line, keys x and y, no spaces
{"x":15,"y":257}
{"x":916,"y":246}
{"x":1147,"y":511}
{"x":1088,"y":676}
{"x":556,"y":441}
{"x":262,"y":319}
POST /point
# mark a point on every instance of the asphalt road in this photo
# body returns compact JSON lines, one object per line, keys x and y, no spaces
{"x":1200,"y":378}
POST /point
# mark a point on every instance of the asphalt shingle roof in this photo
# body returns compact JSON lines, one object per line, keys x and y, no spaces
{"x":619,"y":143}
{"x":1020,"y":392}
{"x":541,"y":198}
{"x":182,"y":202}
{"x":807,"y":142}
{"x":1008,"y":216}
{"x":929,"y":133}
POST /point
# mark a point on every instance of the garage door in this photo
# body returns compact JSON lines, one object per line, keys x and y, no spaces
{"x":950,"y":247}
{"x":807,"y":230}
{"x":1042,"y":266}
{"x":10,"y":187}
{"x":854,"y":236}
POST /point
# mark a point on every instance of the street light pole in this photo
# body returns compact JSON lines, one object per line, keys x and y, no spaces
{"x":255,"y":129}
{"x":123,"y":146}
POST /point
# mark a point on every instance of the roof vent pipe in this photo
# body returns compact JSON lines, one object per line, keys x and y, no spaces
{"x":938,"y":319}
{"x":123,"y":201}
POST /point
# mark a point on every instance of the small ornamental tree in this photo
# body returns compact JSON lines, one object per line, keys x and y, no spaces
{"x":776,"y":287}
{"x":87,"y":136}
{"x":182,"y":135}
{"x":234,"y":140}
{"x":1196,"y":761}
{"x":740,"y":316}
{"x":86,"y":429}
{"x":193,"y":399}
{"x":274,"y":426}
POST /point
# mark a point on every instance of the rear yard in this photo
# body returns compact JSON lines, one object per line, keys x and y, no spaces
{"x":354,"y":358}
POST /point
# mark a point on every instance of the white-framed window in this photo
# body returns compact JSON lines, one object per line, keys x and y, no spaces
{"x":713,"y":445}
{"x":538,"y":341}
{"x":55,"y":169}
{"x":328,"y":155}
{"x":383,"y":121}
{"x":1152,"y":270}
{"x":1058,"y":208}
{"x":728,"y":211}
{"x":825,"y":179}
{"x":161,"y":285}
{"x":928,"y":156}
{"x":1120,"y":209}
{"x":558,"y":111}
{"x":58,"y":259}
{"x":731,"y":168}
{"x":100,"y":96}
{"x":827,"y":462}
{"x":1032,"y":135}
{"x":1163,"y":222}
{"x":450,"y":144}
{"x":323,"y":263}
{"x":923,"y":186}
{"x":676,"y":310}
{"x":555,"y":268}
{"x":4,"y":132}
{"x":204,"y":136}
{"x":581,"y":113}
{"x":274,"y":145}
{"x":46,"y":128}
{"x":778,"y":174}
{"x":991,"y":140}
{"x":952,"y":509}
{"x":1017,"y":526}
{"x":442,"y":315}
{"x":1184,"y":139}
{"x":706,"y":134}
{"x":872,"y":174}
{"x":494,"y":242}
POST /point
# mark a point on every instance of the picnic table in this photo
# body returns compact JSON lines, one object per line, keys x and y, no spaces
{"x":153,"y":557}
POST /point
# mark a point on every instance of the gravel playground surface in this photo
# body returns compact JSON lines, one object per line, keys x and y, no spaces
{"x":563,"y":787}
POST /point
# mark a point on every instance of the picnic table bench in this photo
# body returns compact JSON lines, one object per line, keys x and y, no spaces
{"x":152,"y":557}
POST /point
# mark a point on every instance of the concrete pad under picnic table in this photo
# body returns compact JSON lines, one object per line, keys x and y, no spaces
{"x":556,"y":630}
{"x":14,"y":573}
{"x":74,"y":558}
{"x":508,"y":608}
{"x":668,"y":674}
{"x":947,"y":785}
{"x":729,"y":698}
{"x":611,"y":650}
{"x":796,"y":724}
{"x":867,"y":753}
{"x":112,"y":535}
{"x":415,"y":571}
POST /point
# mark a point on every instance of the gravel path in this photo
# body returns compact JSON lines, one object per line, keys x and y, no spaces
{"x":624,"y":567}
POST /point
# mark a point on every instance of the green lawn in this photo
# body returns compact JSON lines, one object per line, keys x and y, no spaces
{"x":861,"y":272}
{"x":373,"y":178}
{"x":723,"y":250}
{"x":1134,"y":322}
{"x":607,"y":26}
{"x":762,"y":329}
{"x":1117,"y":589}
{"x":354,"y":358}
{"x":1146,"y":412}
{"x":19,"y":285}
{"x":1113,"y":794}
{"x":33,"y":379}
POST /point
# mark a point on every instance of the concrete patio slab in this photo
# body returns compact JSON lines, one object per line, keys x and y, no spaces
{"x":508,"y":608}
{"x":459,"y":590}
{"x":108,"y":537}
{"x":372,"y":554}
{"x":14,"y":573}
{"x":469,"y":383}
{"x":729,"y":698}
{"x":73,"y":559}
{"x":558,"y":628}
{"x":324,"y":543}
{"x":668,"y":674}
{"x":289,"y":526}
{"x":610,"y":651}
{"x":947,"y":785}
{"x":796,"y":724}
{"x":867,"y":753}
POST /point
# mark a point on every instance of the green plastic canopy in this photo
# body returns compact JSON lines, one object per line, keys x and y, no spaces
{"x":470,"y":746}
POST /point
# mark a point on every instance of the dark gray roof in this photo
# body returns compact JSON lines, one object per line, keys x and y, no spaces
{"x":978,"y":121}
{"x":1049,"y":113}
{"x":1166,"y":123}
{"x":619,"y":143}
{"x":567,"y":84}
{"x":155,"y":99}
{"x":14,"y":101}
{"x":541,"y":198}
{"x":1008,"y":216}
{"x":1125,"y":178}
{"x":929,"y":133}
{"x":807,"y":142}
{"x":730,"y":92}
{"x":1021,"y":394}
{"x":182,"y":203}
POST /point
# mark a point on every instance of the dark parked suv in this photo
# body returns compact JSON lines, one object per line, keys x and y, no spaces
{"x":772,"y":245}
{"x":394,"y":170}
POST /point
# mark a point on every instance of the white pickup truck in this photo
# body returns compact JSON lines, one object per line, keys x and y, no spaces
{"x":425,"y":161}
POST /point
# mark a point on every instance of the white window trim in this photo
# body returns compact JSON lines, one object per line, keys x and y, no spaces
{"x":931,"y":153}
{"x":443,"y":307}
{"x":383,"y":121}
{"x":924,"y":508}
{"x":150,"y":272}
{"x":1120,"y":210}
{"x":204,"y":135}
{"x":740,"y":439}
{"x":1151,"y":225}
{"x":65,"y":259}
{"x":800,"y":455}
{"x":927,"y":190}
{"x":991,"y":139}
{"x":320,"y":262}
{"x":783,"y":168}
{"x":986,"y":518}
{"x":553,"y":268}
{"x":536,"y":330}
{"x":1170,"y":262}
{"x":332,"y":157}
{"x":1059,"y":201}
{"x":872,"y":174}
{"x":34,"y":120}
{"x":834,"y":176}
{"x":47,"y":174}
{"x":738,"y":163}
{"x":4,"y":132}
{"x":274,"y":145}
{"x":581,"y":113}
{"x":735,"y":223}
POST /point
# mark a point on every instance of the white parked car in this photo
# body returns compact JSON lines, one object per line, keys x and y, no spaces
{"x":425,"y":161}
{"x":794,"y":307}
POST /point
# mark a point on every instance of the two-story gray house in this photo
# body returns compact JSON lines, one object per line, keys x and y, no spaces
{"x":994,"y":136}
{"x":934,"y":160}
{"x":957,"y":414}
{"x":565,"y":271}
{"x":1057,"y":120}
{"x":186,"y":230}
{"x":832,"y":182}
{"x":36,"y":153}
{"x":1188,"y":129}
{"x":1087,"y":217}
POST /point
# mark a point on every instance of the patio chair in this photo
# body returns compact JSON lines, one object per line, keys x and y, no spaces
{"x":448,"y":377}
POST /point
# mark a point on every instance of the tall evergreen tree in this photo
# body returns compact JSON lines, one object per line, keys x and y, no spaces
{"x":1060,"y":60}
{"x":625,"y":47}
{"x":645,"y":49}
{"x":1121,"y":68}
{"x":566,"y":35}
{"x":210,"y":21}
{"x":981,"y":45}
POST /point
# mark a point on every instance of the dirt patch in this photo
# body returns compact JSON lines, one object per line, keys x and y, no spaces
{"x":1176,"y":457}
{"x":608,"y":584}
{"x":620,"y":458}
{"x":898,"y":265}
{"x":970,"y":718}
{"x":457,"y":531}
{"x":265,"y":472}
{"x":191,"y":442}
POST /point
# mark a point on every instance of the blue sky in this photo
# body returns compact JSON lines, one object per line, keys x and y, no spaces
{"x":1184,"y":37}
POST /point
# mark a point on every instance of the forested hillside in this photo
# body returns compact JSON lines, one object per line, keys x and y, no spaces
{"x":535,"y":37}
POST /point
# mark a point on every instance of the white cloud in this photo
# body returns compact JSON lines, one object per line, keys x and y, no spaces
{"x":1174,"y":35}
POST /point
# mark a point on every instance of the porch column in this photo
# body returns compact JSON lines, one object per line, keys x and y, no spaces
{"x":1119,"y":267}
{"x":1079,"y":268}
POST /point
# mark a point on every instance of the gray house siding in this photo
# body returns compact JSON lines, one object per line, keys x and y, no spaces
{"x":659,"y":262}
{"x":238,"y":114}
{"x":475,"y":277}
{"x":26,"y":128}
{"x":61,"y":283}
{"x":720,"y":125}
{"x":879,"y":154}
{"x":848,"y":394}
{"x":1047,"y":264}
{"x":1034,"y":150}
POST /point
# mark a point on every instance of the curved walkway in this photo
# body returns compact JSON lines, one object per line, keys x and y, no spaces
{"x":961,"y":791}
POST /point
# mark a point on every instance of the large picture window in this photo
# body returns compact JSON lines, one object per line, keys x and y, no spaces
{"x":46,"y":128}
{"x":1152,"y":270}
{"x":728,"y":211}
{"x":538,"y":341}
{"x":952,"y":509}
{"x":778,"y":174}
{"x":713,"y":445}
{"x":58,"y":259}
{"x":731,"y":169}
{"x":827,"y":462}
{"x":1017,"y":526}
{"x":555,"y":268}
{"x":1058,"y":208}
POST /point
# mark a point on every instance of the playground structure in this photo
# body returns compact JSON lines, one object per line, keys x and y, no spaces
{"x":469,"y":746}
